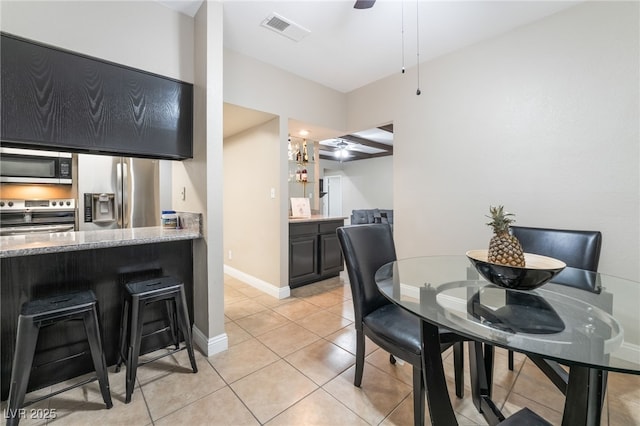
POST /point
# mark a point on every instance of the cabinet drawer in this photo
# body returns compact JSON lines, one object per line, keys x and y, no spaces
{"x":330,"y":227}
{"x":303,"y":229}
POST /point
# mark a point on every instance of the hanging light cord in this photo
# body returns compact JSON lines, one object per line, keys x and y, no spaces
{"x":418,"y":45}
{"x":402,"y":17}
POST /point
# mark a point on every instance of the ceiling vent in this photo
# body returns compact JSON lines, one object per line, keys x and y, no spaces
{"x":285,"y":27}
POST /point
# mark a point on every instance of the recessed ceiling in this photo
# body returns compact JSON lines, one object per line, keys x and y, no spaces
{"x":362,"y":145}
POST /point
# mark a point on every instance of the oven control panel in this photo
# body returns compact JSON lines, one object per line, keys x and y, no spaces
{"x":38,"y":205}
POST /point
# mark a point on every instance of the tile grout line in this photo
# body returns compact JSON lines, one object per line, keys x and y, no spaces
{"x":228,"y":385}
{"x":320,"y":337}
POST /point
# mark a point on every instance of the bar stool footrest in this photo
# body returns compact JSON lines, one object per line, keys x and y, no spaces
{"x":77,"y":385}
{"x":155,"y":358}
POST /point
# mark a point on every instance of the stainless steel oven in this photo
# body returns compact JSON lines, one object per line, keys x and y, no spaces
{"x":32,"y":166}
{"x":21,"y":217}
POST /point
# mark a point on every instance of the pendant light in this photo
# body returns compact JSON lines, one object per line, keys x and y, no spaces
{"x":418,"y":92}
{"x":402,"y":32}
{"x":418,"y":45}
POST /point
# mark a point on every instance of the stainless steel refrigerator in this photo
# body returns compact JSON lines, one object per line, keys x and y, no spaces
{"x":117,"y":192}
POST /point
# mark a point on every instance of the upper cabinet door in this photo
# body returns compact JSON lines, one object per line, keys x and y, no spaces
{"x":61,"y":100}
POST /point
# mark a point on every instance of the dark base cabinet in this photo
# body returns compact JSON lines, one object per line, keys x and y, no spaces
{"x":101,"y":270}
{"x":331,"y":258}
{"x":314,"y":252}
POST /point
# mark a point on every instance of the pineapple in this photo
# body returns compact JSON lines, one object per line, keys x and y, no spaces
{"x":504,"y":248}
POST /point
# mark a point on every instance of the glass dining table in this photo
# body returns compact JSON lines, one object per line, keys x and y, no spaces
{"x":590,"y":332}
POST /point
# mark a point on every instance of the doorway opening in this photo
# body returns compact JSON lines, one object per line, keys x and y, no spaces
{"x":333,"y":199}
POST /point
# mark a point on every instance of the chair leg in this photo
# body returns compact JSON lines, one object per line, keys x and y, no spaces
{"x":185,"y":326}
{"x":22,"y":362}
{"x":458,"y":368}
{"x":124,"y":334}
{"x":92,"y":328}
{"x":136,"y":322}
{"x":357,"y":381}
{"x":173,"y":321}
{"x":510,"y":355}
{"x":419,"y":395}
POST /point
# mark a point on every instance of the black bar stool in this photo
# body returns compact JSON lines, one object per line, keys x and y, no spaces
{"x":137,"y":296}
{"x":40,"y":313}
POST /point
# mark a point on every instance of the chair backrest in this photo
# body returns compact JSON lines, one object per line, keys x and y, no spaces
{"x":578,"y":249}
{"x":366,"y":248}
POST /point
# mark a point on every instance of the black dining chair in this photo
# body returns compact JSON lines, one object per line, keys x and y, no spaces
{"x":579,"y":250}
{"x":366,"y":248}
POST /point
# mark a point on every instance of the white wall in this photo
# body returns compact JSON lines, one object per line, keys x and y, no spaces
{"x":543,"y":119}
{"x":204,"y":174}
{"x":256,"y":85}
{"x":140,"y":34}
{"x":366,"y":184}
{"x":249,"y":210}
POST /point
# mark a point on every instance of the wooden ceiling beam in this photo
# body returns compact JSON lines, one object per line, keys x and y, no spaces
{"x":387,"y":128}
{"x":353,"y":155}
{"x":357,"y":155}
{"x":367,"y":142}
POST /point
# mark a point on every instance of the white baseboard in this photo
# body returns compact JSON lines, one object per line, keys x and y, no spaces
{"x":629,"y":352}
{"x":268,"y":288}
{"x":210,"y":346}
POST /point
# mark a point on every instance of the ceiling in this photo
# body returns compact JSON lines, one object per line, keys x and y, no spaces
{"x":347,"y":48}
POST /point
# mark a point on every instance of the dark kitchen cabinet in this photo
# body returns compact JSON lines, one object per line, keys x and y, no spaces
{"x":303,"y":258}
{"x":35,"y":276}
{"x":330,"y":255}
{"x":314,"y":251}
{"x":60,"y":100}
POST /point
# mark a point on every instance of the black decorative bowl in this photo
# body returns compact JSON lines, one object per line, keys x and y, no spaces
{"x":538,"y":270}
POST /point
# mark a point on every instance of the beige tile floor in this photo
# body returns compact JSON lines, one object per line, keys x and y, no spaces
{"x":291,"y":362}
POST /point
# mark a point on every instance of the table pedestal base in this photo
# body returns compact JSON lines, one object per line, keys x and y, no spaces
{"x":585,"y":395}
{"x":584,"y":391}
{"x":481,"y":371}
{"x":440,"y":409}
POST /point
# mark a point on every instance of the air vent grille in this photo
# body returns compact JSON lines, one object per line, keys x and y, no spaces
{"x":285,"y":27}
{"x":277,"y":24}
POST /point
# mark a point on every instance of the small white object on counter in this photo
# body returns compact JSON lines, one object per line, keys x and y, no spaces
{"x":170,"y":219}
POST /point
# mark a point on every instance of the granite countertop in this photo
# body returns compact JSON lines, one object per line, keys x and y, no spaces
{"x":315,"y":218}
{"x":31,"y":244}
{"x":25,"y":245}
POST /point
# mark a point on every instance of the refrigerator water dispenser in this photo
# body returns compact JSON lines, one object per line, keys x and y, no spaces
{"x":99,"y":208}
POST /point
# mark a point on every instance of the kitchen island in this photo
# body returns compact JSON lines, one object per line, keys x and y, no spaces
{"x":314,"y":249}
{"x":41,"y":265}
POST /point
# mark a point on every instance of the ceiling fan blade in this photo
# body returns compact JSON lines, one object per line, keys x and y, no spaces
{"x":363,"y":4}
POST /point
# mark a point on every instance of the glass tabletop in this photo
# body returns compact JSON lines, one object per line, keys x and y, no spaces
{"x":599,"y":328}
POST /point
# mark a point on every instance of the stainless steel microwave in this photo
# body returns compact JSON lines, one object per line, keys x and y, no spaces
{"x":31,"y":166}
